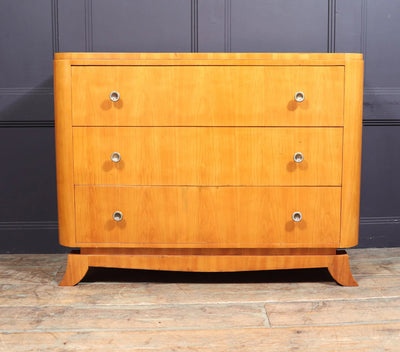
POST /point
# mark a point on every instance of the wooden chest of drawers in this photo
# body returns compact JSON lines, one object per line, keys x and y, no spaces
{"x":208,"y":162}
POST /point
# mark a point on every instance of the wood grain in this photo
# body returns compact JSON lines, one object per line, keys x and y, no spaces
{"x":339,"y":268}
{"x":233,"y":217}
{"x":76,"y":269}
{"x":210,"y":251}
{"x":135,"y":287}
{"x":337,"y":264}
{"x":64,"y":152}
{"x":384,"y":267}
{"x":354,"y":338}
{"x":31,"y":259}
{"x":10,"y":274}
{"x":352,"y":135}
{"x":221,"y":127}
{"x":207,"y":156}
{"x":272,"y":58}
{"x":143,"y":317}
{"x":158,"y":311}
{"x":207,"y":95}
{"x":333,"y":312}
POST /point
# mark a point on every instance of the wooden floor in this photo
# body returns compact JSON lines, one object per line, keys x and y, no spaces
{"x":130,"y":310}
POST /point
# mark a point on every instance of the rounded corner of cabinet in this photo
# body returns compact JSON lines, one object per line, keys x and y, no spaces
{"x":350,"y":240}
{"x":66,"y":239}
{"x":350,"y":244}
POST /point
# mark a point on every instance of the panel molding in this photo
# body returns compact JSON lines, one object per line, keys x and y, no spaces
{"x":28,"y":225}
{"x":381,"y":122}
{"x":380,"y":220}
{"x":53,"y":225}
{"x":331,"y":26}
{"x":26,"y":91}
{"x":382,"y":91}
{"x":55,"y":26}
{"x":382,"y":102}
{"x":88,"y":4}
{"x":379,"y":232}
{"x":194,"y":9}
{"x":227,"y":26}
{"x":363,"y":37}
{"x":30,"y":124}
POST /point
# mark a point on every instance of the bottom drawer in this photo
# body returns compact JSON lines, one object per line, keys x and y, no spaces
{"x":207,"y":216}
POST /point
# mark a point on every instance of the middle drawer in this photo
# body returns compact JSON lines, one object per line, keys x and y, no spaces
{"x":215,"y":156}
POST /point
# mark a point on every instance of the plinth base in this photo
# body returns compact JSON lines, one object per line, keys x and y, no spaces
{"x":208,"y":260}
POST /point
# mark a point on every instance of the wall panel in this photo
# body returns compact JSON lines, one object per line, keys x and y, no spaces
{"x":382,"y":43}
{"x":141,"y":25}
{"x":380,"y":171}
{"x":26,"y":53}
{"x":279,"y":26}
{"x":27,"y":175}
{"x":212,"y":25}
{"x":28,"y":205}
{"x":382,"y":53}
{"x":349,"y":25}
{"x":71,"y":17}
{"x":31,"y":30}
{"x":26,"y":43}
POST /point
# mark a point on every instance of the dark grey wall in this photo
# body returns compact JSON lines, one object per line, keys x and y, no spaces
{"x":32,"y":30}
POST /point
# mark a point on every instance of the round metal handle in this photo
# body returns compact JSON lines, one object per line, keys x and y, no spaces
{"x":117,"y":216}
{"x":299,"y":97}
{"x":114,"y":96}
{"x":116,"y":157}
{"x":298,"y":157}
{"x":296,"y":216}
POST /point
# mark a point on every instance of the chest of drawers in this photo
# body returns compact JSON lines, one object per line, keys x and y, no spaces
{"x":208,"y":162}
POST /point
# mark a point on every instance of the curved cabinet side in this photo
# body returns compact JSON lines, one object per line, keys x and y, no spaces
{"x":353,"y":105}
{"x":64,"y":152}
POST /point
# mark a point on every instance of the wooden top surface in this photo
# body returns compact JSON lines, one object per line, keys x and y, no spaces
{"x":273,"y":57}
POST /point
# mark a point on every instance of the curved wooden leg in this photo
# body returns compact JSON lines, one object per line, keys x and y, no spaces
{"x":77,"y":268}
{"x":339,"y":268}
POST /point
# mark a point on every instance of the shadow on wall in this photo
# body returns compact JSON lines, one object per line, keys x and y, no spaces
{"x":27,"y":104}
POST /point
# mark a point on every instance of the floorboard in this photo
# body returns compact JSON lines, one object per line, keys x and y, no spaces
{"x":139,"y":310}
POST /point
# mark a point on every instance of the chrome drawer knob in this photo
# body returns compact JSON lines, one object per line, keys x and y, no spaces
{"x":298,"y":157}
{"x":117,"y":216}
{"x":296,"y":216}
{"x":114,"y":96}
{"x":116,"y":157}
{"x":299,"y":97}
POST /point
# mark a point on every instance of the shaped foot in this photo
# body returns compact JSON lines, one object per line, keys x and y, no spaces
{"x":339,"y":268}
{"x":77,"y":268}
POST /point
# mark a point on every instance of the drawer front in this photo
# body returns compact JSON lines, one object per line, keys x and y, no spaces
{"x":208,"y":216}
{"x":207,"y":95}
{"x":207,"y":156}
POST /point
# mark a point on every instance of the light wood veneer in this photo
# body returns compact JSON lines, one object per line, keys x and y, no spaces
{"x":207,"y":95}
{"x":229,"y":217}
{"x":207,"y":179}
{"x":207,"y":156}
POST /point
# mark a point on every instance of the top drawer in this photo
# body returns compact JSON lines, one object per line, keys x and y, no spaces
{"x":207,"y":95}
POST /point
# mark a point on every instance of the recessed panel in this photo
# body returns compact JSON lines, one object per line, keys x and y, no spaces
{"x":26,"y":54}
{"x":141,"y":25}
{"x":380,"y":174}
{"x":26,"y":43}
{"x":27,"y":175}
{"x":279,"y":26}
{"x":72,"y":25}
{"x":382,"y":43}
